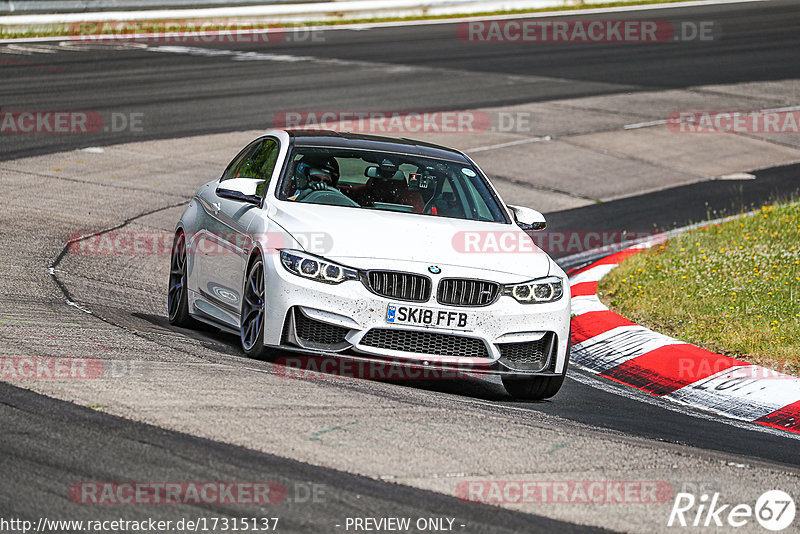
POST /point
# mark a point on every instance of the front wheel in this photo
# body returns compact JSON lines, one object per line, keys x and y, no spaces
{"x":177,"y":299}
{"x":252,"y":324}
{"x":535,"y":387}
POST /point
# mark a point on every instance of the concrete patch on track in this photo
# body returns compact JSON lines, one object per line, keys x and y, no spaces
{"x":612,"y":346}
{"x":708,"y":155}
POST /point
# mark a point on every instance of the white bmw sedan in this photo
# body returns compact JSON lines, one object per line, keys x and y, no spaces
{"x":368,"y":248}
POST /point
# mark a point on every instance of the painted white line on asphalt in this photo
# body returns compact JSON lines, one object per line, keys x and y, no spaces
{"x":644,"y":124}
{"x":82,"y":45}
{"x":787,"y":108}
{"x":31,"y":49}
{"x":510,"y":143}
{"x":659,"y":122}
{"x":736,"y":176}
{"x":76,"y":305}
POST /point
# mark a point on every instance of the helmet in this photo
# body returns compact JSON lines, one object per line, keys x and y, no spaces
{"x":313,"y":168}
{"x":388,"y":170}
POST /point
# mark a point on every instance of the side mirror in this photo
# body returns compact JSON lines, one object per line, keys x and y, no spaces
{"x":243,"y":189}
{"x":528,"y":219}
{"x":371,"y":172}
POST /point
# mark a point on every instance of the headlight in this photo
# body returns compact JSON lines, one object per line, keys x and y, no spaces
{"x":315,"y":268}
{"x":541,"y":290}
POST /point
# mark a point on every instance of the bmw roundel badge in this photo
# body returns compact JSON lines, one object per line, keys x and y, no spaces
{"x":434,"y":269}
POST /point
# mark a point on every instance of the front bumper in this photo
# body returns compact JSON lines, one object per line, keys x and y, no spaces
{"x":350,"y":321}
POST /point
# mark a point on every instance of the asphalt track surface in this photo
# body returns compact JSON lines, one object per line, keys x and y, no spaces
{"x":182,"y":95}
{"x":40,"y":454}
{"x":191,"y":95}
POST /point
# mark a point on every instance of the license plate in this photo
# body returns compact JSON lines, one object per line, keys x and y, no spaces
{"x":429,"y":317}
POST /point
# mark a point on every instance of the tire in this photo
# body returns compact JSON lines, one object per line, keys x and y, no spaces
{"x":251,"y":328}
{"x":177,"y":295}
{"x":535,"y":387}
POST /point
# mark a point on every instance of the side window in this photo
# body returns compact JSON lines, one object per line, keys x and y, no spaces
{"x":239,"y":161}
{"x":256,"y":162}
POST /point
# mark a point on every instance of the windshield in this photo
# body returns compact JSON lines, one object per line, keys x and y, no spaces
{"x":388,"y":181}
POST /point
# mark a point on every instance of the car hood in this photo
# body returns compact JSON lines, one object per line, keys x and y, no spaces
{"x":357,"y":237}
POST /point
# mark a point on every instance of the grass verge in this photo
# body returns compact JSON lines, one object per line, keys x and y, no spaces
{"x":66,"y":30}
{"x":733,"y":288}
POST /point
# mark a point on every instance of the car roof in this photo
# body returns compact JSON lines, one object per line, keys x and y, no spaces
{"x":329,"y":138}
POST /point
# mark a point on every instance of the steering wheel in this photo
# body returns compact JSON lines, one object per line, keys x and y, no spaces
{"x":332,"y":197}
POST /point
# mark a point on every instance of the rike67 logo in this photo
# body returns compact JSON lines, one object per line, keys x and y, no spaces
{"x":774,"y":510}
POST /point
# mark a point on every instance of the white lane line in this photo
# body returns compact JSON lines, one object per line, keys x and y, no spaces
{"x":29,"y":49}
{"x":733,"y":114}
{"x":736,"y":176}
{"x":644,"y":124}
{"x":787,"y":108}
{"x":510,"y":143}
{"x":228,"y":12}
{"x":236,"y":55}
{"x":100,"y":45}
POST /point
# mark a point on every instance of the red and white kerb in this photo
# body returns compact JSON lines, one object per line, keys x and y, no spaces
{"x":616,"y":348}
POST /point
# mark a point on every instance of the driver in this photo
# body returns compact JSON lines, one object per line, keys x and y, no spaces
{"x":315,"y":173}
